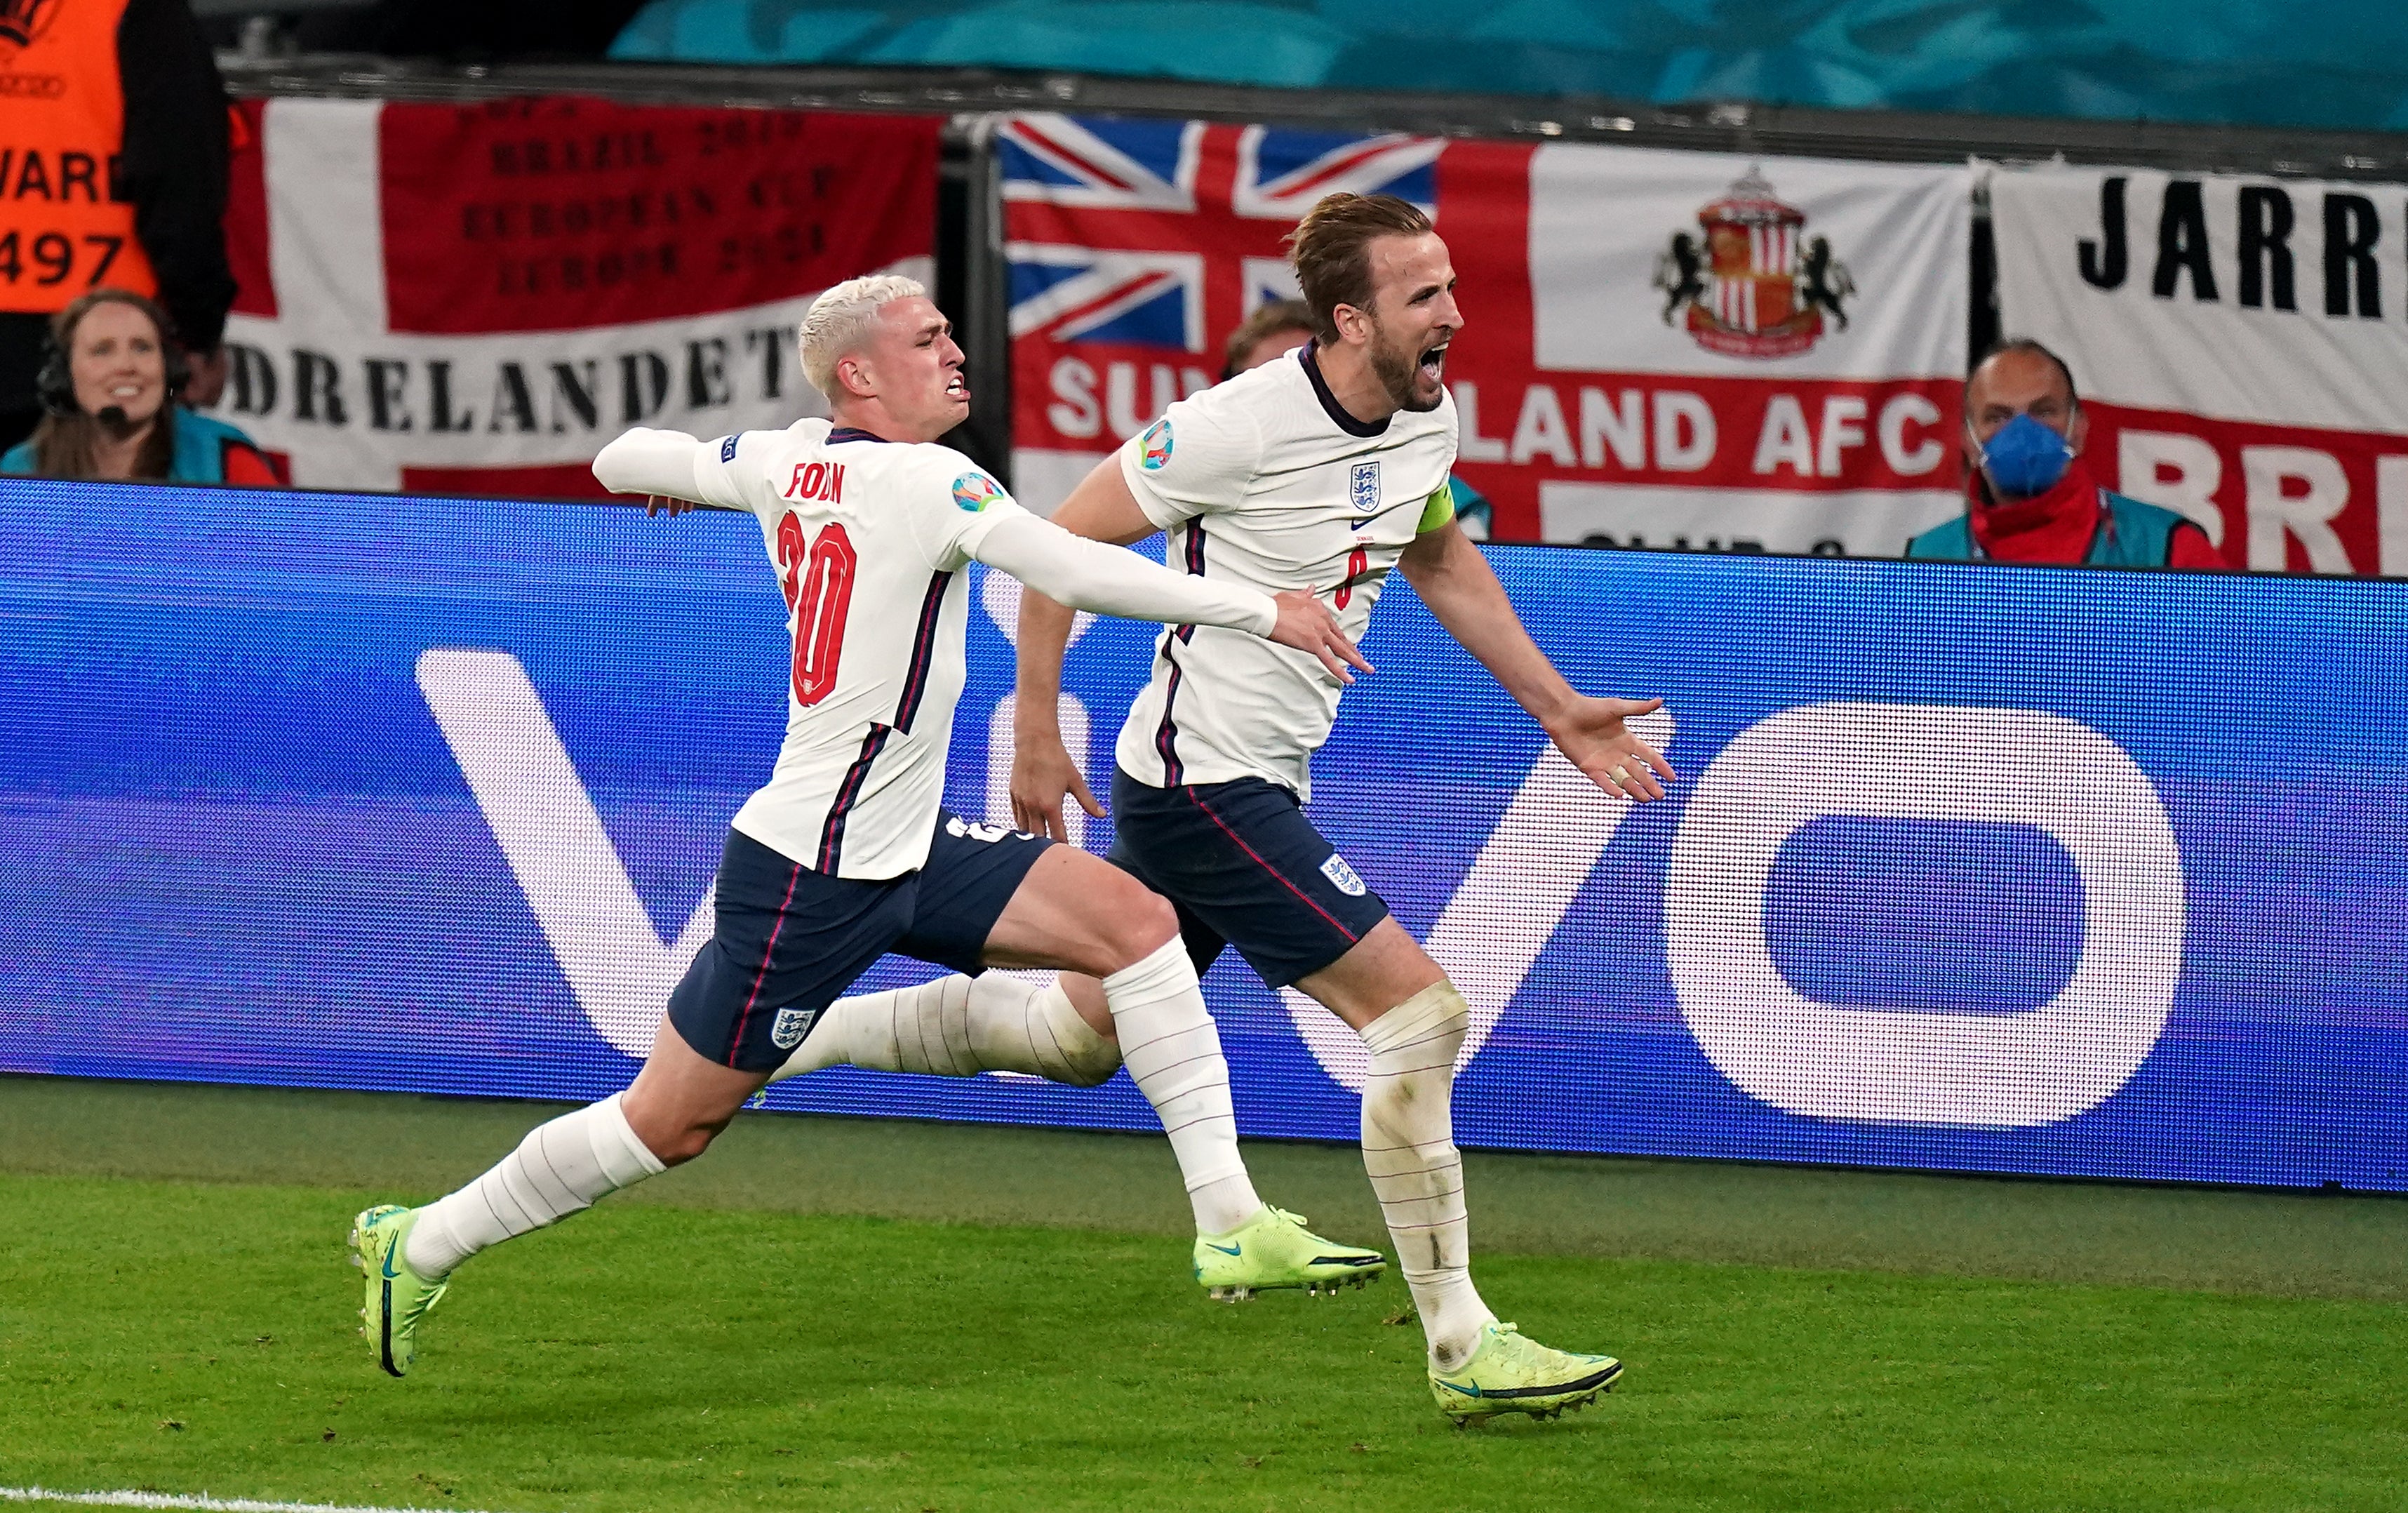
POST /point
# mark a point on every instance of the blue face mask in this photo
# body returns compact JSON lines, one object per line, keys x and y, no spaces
{"x":2024,"y":458}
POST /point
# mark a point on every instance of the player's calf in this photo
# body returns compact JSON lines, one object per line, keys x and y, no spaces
{"x":559,"y":1169}
{"x":562,"y":1168}
{"x":1076,"y":913}
{"x":959,"y":1026}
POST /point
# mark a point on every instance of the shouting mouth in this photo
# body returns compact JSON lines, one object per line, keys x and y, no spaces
{"x":1433,"y":364}
{"x":957,"y":387}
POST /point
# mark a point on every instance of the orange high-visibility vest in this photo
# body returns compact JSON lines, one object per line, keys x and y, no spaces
{"x":67,"y":223}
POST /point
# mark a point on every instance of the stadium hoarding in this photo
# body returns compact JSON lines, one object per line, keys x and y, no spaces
{"x":1724,"y":352}
{"x":474,"y":297}
{"x":2236,"y":344}
{"x":1979,"y":869}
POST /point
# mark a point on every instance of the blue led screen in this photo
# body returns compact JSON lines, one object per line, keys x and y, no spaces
{"x":1969,"y":868}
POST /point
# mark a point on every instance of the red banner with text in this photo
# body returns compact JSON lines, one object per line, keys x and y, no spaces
{"x":476,"y":298}
{"x":2238,"y":354}
{"x":1660,"y":348}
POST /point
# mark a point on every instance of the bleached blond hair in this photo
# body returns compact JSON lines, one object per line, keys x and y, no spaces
{"x":841,"y":320}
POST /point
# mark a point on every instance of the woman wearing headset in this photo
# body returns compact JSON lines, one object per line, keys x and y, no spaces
{"x":110,"y":387}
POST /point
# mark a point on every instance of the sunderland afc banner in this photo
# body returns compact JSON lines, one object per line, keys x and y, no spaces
{"x":1660,"y":348}
{"x":427,"y":794}
{"x":2240,"y":345}
{"x":476,"y":298}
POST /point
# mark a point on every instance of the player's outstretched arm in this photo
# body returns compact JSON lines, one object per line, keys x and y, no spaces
{"x":1083,"y":574}
{"x":659,"y":464}
{"x":1451,"y":576}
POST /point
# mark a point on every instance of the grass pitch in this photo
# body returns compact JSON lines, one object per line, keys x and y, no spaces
{"x":738,"y":1339}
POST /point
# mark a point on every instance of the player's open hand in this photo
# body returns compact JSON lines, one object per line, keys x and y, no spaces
{"x":1307,"y":624}
{"x":662,"y":504}
{"x":1596,"y":735}
{"x":1043,"y":775}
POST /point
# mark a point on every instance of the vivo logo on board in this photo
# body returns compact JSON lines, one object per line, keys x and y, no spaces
{"x":1826,"y":1061}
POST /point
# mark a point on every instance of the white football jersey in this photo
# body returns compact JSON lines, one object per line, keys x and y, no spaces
{"x":1267,"y":480}
{"x":869,"y":538}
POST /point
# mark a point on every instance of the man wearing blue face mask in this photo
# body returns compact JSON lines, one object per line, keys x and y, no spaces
{"x":2029,"y":494}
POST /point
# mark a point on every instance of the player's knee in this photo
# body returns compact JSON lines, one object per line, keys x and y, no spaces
{"x":1135,"y":922}
{"x":1426,"y":1029}
{"x":1450,"y":1011}
{"x":684,"y":1142}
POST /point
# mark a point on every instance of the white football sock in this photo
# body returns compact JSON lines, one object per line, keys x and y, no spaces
{"x":958,"y":1027}
{"x":558,"y":1170}
{"x":1409,"y":1151}
{"x":1172,"y":1050}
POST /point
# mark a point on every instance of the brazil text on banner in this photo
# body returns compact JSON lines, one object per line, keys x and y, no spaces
{"x":1658,"y":347}
{"x":1956,"y":876}
{"x":475,"y":299}
{"x":2242,"y":344}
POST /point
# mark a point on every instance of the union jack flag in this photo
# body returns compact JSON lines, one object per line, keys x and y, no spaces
{"x":1168,"y":234}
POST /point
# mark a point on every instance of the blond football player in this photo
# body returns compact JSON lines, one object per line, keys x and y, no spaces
{"x":847,"y":853}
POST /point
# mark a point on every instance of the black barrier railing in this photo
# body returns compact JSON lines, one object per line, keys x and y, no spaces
{"x":1725,"y":127}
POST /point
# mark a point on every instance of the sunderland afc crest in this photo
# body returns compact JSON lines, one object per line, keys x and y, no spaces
{"x":1751,"y":283}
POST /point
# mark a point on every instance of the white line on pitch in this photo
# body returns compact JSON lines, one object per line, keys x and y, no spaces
{"x":200,"y":1505}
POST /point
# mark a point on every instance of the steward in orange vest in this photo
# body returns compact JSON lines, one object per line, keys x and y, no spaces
{"x":112,"y":174}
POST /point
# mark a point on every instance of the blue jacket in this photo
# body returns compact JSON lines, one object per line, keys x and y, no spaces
{"x":203,"y":445}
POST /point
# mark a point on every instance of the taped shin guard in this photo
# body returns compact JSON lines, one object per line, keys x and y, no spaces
{"x":1409,"y":1153}
{"x":560,"y":1168}
{"x":959,"y":1026}
{"x":1016,"y":1026}
{"x":1173,"y":1054}
{"x":923,"y":1028}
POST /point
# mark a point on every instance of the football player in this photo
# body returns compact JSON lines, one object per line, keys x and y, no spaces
{"x":1324,"y":471}
{"x":846,"y":853}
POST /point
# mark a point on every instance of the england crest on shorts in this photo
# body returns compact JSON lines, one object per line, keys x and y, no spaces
{"x":1342,"y":877}
{"x":788,"y":1030}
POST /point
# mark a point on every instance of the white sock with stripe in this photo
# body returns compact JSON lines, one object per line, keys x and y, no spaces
{"x":560,"y":1168}
{"x":959,"y":1026}
{"x":1172,"y":1050}
{"x":1409,"y":1153}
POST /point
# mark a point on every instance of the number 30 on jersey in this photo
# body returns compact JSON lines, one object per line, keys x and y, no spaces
{"x":818,"y":585}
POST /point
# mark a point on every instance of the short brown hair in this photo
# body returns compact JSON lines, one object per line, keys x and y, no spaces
{"x":1330,"y":250}
{"x":1272,"y":316}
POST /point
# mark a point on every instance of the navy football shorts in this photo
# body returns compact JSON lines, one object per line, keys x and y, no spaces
{"x":790,"y":941}
{"x":1244,"y":868}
